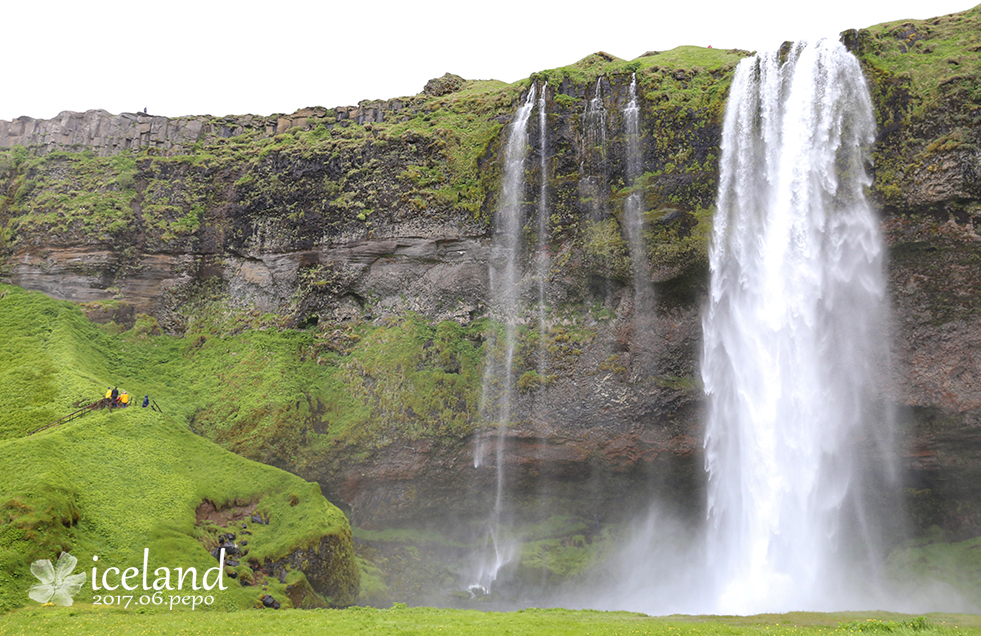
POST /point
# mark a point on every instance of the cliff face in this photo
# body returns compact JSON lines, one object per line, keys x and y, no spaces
{"x":159,"y":215}
{"x":924,"y":78}
{"x":345,"y":221}
{"x":106,"y":134}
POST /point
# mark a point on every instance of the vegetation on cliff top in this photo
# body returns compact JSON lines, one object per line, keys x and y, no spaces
{"x":426,"y":157}
{"x":683,"y":62}
{"x":936,"y":55}
{"x":925,"y":79}
{"x":432,"y":155}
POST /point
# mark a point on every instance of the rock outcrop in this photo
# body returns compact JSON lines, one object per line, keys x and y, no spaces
{"x":106,"y":134}
{"x":327,"y":566}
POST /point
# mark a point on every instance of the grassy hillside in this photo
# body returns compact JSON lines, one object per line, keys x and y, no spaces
{"x":113,"y":483}
{"x":272,"y":394}
{"x":282,"y":396}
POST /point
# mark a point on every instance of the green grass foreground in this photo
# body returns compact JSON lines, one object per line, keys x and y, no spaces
{"x":424,"y":620}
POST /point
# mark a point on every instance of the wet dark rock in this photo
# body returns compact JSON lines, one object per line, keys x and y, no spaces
{"x":270,"y":602}
{"x":670,"y":216}
{"x":229,"y":547}
{"x":329,"y":574}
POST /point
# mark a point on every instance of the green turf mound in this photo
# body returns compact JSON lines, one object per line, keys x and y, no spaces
{"x":114,"y":484}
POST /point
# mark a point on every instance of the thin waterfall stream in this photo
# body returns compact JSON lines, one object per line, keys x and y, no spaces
{"x":642,"y":313}
{"x":505,"y":300}
{"x":542,"y":260}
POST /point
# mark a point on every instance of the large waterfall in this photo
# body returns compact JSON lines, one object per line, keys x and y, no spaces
{"x":794,"y":335}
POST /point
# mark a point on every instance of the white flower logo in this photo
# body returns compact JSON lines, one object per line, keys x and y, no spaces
{"x":58,"y":585}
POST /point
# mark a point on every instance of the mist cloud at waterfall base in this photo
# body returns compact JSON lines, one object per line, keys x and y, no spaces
{"x":658,"y":566}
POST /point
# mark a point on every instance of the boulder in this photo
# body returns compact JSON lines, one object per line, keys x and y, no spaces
{"x":444,"y":85}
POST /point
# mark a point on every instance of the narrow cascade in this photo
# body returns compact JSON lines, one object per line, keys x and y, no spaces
{"x":542,"y":260}
{"x":594,"y":169}
{"x":594,"y":127}
{"x":505,"y":300}
{"x":633,"y":222}
{"x":795,"y":337}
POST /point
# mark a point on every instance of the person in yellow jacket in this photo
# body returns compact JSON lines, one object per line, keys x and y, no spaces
{"x":109,"y":396}
{"x":124,"y":399}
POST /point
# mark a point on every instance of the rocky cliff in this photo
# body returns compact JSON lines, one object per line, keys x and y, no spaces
{"x":369,"y":227}
{"x":106,"y":134}
{"x":924,"y":77}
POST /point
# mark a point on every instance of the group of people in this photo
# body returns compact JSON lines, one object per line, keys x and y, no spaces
{"x":116,"y":398}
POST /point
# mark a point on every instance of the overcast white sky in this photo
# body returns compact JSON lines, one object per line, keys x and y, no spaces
{"x":184,"y":57}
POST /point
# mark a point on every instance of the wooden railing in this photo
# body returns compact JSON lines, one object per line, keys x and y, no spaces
{"x":74,"y":415}
{"x":94,"y":406}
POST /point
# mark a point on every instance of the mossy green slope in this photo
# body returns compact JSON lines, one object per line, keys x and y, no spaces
{"x":952,"y":569}
{"x":113,"y":483}
{"x":51,"y":359}
{"x":291,"y":398}
{"x":286,"y":396}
